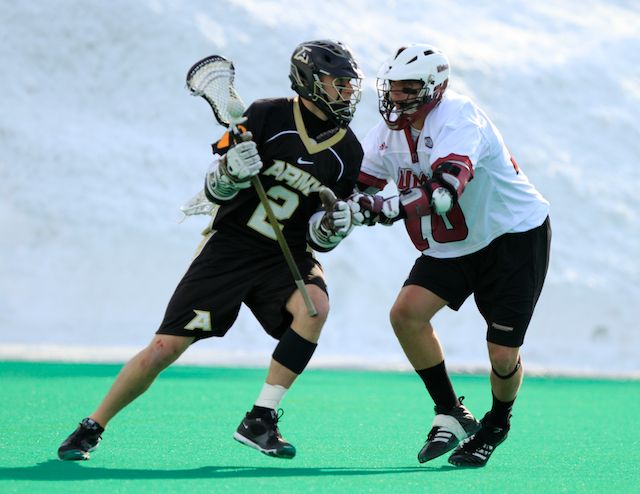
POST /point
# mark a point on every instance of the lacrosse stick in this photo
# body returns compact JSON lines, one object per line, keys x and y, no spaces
{"x":212,"y":79}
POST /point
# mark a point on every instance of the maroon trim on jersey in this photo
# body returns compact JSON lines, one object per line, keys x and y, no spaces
{"x":453,"y":157}
{"x":515,"y":165}
{"x":413,"y":145}
{"x":371,"y":181}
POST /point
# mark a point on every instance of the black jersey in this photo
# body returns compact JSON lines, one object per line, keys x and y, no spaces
{"x":299,"y":153}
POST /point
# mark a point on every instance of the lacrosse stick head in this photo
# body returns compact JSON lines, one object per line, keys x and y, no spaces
{"x":212,"y":79}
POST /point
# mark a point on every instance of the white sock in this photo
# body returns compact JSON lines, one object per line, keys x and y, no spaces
{"x":271,"y":395}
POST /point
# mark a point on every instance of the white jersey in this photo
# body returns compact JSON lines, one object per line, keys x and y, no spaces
{"x":499,"y":199}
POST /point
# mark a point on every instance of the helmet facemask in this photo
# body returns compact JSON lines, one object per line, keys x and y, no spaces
{"x":337,"y":97}
{"x":401,"y":114}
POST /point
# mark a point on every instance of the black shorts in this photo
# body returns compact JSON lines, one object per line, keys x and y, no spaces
{"x":505,"y":277}
{"x":224,"y":275}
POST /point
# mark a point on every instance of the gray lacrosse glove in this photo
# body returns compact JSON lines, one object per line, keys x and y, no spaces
{"x":328,"y":228}
{"x":242,"y":161}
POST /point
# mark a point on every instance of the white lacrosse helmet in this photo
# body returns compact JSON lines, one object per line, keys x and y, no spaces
{"x":416,"y":62}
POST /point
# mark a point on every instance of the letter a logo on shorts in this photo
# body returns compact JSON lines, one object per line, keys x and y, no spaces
{"x":201,"y":321}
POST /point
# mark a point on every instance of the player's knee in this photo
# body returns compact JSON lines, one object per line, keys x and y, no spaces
{"x":398,"y":316}
{"x":404,"y":319}
{"x":163,"y":351}
{"x":300,"y":312}
{"x":316,"y":323}
{"x":504,"y":359}
{"x":311,"y":329}
{"x":308,"y":326}
{"x":322,"y":306}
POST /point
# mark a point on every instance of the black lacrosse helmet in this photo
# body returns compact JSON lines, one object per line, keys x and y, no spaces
{"x":312,"y":59}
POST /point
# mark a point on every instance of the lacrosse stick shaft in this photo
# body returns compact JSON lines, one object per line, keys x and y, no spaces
{"x":284,"y":247}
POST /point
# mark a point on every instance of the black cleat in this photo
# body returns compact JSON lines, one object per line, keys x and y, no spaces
{"x":476,"y":450}
{"x":261,"y":432}
{"x":82,"y":441}
{"x":447,"y":430}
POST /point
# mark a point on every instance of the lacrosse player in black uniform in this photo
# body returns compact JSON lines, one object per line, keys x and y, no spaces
{"x":295,"y":145}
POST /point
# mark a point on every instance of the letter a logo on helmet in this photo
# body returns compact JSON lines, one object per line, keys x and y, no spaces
{"x":302,"y":55}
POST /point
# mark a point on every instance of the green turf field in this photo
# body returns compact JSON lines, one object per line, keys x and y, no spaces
{"x":354,"y":431}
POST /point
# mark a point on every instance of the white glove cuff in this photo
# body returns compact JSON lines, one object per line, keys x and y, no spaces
{"x":321,"y":239}
{"x":219,"y":185}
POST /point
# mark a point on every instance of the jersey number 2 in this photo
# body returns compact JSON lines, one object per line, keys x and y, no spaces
{"x":283,"y":209}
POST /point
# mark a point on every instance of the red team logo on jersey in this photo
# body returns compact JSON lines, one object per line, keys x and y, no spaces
{"x":408,"y":180}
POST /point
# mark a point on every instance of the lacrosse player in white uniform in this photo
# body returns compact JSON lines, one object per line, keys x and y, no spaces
{"x":480,"y":225}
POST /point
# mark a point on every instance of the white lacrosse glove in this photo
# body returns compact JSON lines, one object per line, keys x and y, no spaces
{"x":338,"y":220}
{"x":369,"y":210}
{"x":328,"y":228}
{"x":242,"y":161}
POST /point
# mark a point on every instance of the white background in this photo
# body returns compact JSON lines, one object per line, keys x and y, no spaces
{"x":100,"y":144}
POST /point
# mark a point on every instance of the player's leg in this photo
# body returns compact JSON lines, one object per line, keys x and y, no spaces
{"x":187,"y":318}
{"x":138,"y":374}
{"x":298,"y":336}
{"x":133,"y":380}
{"x":518,"y":266}
{"x":506,"y":378}
{"x":410,"y":317}
{"x":298,"y":343}
{"x":431,"y":285}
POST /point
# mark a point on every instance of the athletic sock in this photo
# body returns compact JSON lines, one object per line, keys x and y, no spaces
{"x":501,"y":411}
{"x":270,"y":396}
{"x":439,"y":386}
